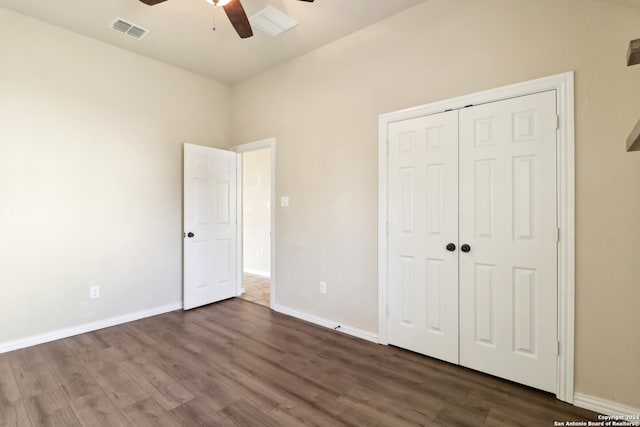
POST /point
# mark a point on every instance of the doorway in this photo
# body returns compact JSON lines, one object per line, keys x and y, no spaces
{"x":256,"y":192}
{"x":256,"y":226}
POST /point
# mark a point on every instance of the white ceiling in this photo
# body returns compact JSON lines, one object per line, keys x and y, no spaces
{"x":181,"y":30}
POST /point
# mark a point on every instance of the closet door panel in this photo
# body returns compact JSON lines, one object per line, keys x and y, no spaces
{"x":508,"y":278}
{"x":423,"y":220}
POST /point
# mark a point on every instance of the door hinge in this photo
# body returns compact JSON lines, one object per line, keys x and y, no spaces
{"x":386,"y":227}
{"x":387,"y":147}
{"x":557,"y":121}
{"x":558,"y":235}
{"x":557,"y":348}
{"x":387,"y":310}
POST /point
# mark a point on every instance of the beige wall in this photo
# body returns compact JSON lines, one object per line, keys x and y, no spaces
{"x":256,"y":210}
{"x":91,"y":176}
{"x":323,"y":110}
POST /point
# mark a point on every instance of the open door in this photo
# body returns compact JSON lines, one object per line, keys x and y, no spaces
{"x":210,"y":238}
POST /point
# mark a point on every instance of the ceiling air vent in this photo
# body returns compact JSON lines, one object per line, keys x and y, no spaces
{"x":132,"y":30}
{"x":272,"y":21}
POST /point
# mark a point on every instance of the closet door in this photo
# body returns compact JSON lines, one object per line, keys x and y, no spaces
{"x":508,"y":278}
{"x":423,"y":220}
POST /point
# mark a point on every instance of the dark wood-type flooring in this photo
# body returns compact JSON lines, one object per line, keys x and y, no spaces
{"x":237,"y":363}
{"x":256,"y":289}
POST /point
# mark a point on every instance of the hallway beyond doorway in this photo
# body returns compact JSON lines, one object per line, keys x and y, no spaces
{"x":256,"y":289}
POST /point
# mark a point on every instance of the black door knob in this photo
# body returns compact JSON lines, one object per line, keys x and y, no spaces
{"x":451,"y":247}
{"x":190,"y":234}
{"x":465,"y":248}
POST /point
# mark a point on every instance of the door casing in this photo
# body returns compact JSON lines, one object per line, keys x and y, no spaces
{"x":563,"y":84}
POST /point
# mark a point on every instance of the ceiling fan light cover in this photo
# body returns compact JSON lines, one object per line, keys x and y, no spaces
{"x":219,"y":2}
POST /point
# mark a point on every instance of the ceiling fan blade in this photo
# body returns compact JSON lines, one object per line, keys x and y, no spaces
{"x":310,"y":1}
{"x":238,"y":18}
{"x":152,"y":2}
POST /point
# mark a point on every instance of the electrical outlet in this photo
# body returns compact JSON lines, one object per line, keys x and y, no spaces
{"x":323,"y":288}
{"x":94,"y":292}
{"x":284,"y":201}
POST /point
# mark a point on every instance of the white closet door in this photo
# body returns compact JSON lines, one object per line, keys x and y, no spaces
{"x":423,"y":219}
{"x":508,"y":279}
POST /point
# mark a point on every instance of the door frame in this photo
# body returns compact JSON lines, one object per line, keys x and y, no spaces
{"x":245,"y":148}
{"x":563,"y":84}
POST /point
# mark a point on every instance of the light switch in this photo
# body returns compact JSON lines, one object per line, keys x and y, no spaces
{"x":284,"y":201}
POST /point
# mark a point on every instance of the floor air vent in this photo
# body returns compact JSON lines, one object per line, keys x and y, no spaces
{"x":132,"y":30}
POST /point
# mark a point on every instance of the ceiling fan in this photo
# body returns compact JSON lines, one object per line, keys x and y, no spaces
{"x":234,"y":10}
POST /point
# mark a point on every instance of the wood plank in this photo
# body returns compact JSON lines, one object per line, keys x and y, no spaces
{"x":245,"y":414}
{"x":236,"y":362}
{"x":32,"y":372}
{"x":150,"y":413}
{"x":98,"y":410}
{"x":9,"y":391}
{"x":104,"y":368}
{"x":164,"y":389}
{"x":52,"y":408}
{"x":200,"y":412}
{"x":14,"y":415}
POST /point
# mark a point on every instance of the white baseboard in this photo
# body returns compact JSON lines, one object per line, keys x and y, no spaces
{"x":86,"y":327}
{"x":258,"y":272}
{"x":349,"y":330}
{"x":605,"y":407}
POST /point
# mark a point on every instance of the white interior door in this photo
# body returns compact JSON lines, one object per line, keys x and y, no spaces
{"x":423,"y":220}
{"x":508,"y":279}
{"x":210,"y":238}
